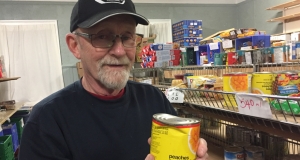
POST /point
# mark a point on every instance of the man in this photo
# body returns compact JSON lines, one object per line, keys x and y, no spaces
{"x":103,"y":116}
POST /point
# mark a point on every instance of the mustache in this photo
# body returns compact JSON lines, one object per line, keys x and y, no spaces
{"x":109,"y":60}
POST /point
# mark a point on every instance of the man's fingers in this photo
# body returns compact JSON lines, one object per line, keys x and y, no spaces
{"x":149,"y":141}
{"x":203,"y":158}
{"x":149,"y":157}
{"x":202,"y":148}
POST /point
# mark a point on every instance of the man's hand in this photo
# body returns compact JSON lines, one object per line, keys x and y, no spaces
{"x":201,"y":151}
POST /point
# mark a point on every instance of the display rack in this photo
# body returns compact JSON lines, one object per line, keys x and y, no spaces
{"x":221,"y":134}
{"x":282,"y":124}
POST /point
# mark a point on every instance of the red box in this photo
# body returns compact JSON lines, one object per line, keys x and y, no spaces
{"x":175,"y":51}
{"x":174,"y":62}
{"x":175,"y":57}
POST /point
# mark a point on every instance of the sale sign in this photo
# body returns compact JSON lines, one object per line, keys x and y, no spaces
{"x":253,"y":105}
{"x":174,"y":95}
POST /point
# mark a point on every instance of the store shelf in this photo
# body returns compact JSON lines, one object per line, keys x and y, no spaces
{"x":284,"y":18}
{"x":8,"y":79}
{"x":278,"y":34}
{"x":5,"y":115}
{"x":281,"y":124}
{"x":285,"y":5}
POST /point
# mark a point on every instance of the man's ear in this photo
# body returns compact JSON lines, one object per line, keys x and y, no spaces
{"x":73,"y":44}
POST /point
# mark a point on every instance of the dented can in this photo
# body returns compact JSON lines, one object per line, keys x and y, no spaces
{"x":174,"y":137}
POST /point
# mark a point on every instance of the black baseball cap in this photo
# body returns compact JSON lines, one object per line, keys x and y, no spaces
{"x":87,"y":13}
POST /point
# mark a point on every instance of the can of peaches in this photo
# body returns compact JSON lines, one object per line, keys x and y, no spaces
{"x":174,"y":137}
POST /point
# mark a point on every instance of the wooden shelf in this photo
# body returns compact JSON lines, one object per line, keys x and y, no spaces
{"x":8,"y":79}
{"x":285,"y":5}
{"x":278,"y":34}
{"x":283,"y":18}
{"x":5,"y":115}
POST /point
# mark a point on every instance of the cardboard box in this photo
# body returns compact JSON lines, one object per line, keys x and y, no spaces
{"x":162,"y":52}
{"x":158,"y":47}
{"x":141,"y":43}
{"x":174,"y":62}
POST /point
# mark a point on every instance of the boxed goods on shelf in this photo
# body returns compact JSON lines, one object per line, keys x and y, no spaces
{"x":187,"y":24}
{"x":280,"y":54}
{"x":189,"y":42}
{"x":152,"y":58}
{"x":220,"y":59}
{"x":257,"y":41}
{"x":207,"y":53}
{"x":158,"y":47}
{"x":187,"y":32}
{"x":142,"y":42}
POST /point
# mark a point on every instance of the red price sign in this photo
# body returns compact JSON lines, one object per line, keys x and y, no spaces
{"x":249,"y":103}
{"x":253,"y":105}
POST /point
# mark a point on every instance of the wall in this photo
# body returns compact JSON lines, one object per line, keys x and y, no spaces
{"x":253,"y":13}
{"x":216,"y":17}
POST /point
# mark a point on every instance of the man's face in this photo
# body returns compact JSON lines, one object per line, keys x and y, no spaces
{"x":110,"y":66}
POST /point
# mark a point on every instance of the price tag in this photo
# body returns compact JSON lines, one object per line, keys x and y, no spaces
{"x":196,"y":48}
{"x":253,"y":105}
{"x":213,"y":46}
{"x":147,"y":81}
{"x":174,"y":95}
{"x":183,"y":49}
{"x":248,"y":57}
{"x":227,"y":44}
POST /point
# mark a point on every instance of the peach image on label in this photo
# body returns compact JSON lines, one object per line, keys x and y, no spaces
{"x":239,"y":82}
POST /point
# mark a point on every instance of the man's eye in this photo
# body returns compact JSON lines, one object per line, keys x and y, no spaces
{"x":101,"y":36}
{"x":127,"y":37}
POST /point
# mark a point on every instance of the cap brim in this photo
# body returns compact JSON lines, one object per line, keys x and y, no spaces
{"x":104,"y":15}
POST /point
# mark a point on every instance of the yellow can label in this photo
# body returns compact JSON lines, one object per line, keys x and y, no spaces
{"x":234,"y":82}
{"x":262,"y":83}
{"x":174,"y":142}
{"x":237,"y":82}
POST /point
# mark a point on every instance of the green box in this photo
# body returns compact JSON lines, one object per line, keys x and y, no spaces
{"x":19,"y":123}
{"x":6,"y":148}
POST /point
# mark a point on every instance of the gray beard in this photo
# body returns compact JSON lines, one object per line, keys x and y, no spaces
{"x":115,"y":80}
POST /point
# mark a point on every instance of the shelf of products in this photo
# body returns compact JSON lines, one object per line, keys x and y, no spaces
{"x":285,"y":5}
{"x":222,"y":134}
{"x":8,"y":79}
{"x":284,"y":123}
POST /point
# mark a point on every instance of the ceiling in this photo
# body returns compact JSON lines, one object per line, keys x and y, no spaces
{"x":159,"y":1}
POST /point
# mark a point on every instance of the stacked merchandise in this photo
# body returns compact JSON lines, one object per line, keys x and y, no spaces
{"x":242,"y":46}
{"x":187,"y":32}
{"x":159,"y":55}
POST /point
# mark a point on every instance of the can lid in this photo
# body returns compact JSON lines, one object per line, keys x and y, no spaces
{"x":262,"y":73}
{"x":235,"y":74}
{"x":285,"y":72}
{"x":188,"y":74}
{"x":174,"y":120}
